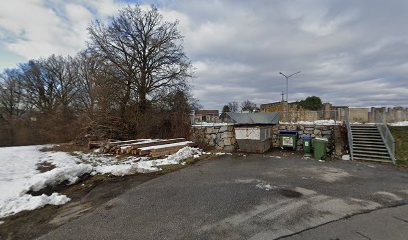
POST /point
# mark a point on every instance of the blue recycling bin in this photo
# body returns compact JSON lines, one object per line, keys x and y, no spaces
{"x":288,"y":139}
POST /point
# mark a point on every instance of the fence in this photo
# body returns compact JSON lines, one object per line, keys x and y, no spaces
{"x":380,"y":121}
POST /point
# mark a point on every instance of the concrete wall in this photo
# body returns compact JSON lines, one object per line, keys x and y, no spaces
{"x":338,"y":113}
{"x":358,"y":115}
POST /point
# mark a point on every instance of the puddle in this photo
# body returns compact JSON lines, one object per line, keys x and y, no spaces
{"x":289,"y":193}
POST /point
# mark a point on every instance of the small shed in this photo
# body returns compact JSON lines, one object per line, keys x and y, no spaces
{"x":253,"y":131}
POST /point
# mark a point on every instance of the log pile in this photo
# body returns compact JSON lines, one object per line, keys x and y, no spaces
{"x":142,"y":147}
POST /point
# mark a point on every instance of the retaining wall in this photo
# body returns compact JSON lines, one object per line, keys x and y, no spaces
{"x":327,"y":131}
{"x":223,"y":137}
{"x":220,"y":137}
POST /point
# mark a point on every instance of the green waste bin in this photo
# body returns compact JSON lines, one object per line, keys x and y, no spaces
{"x":288,"y":139}
{"x":319,"y":148}
{"x":307,"y":142}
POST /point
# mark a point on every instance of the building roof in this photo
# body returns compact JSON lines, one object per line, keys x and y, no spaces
{"x":254,"y":118}
{"x":207,"y":112}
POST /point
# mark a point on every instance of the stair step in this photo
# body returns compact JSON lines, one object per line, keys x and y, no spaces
{"x":367,"y":137}
{"x":367,"y":134}
{"x":367,"y":140}
{"x":379,"y":148}
{"x":368,"y":145}
{"x":371,"y":159}
{"x":379,"y":153}
{"x":365,"y":130}
{"x":370,"y":156}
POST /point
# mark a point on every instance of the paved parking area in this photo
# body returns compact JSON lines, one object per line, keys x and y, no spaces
{"x":252,"y":197}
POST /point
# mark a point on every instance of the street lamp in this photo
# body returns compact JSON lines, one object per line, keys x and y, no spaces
{"x":287,"y":92}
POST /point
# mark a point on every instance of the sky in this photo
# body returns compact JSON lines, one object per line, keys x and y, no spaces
{"x":349,"y":52}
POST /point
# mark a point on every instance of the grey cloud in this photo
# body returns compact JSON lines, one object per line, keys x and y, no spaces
{"x":349,"y":52}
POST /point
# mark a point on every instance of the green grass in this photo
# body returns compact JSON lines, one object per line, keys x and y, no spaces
{"x":400,"y":135}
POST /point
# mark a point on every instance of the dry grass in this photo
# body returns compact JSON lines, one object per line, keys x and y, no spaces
{"x":400,"y":135}
{"x":66,"y":147}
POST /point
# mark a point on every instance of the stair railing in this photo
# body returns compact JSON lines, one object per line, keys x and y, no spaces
{"x":385,"y":132}
{"x":349,"y":134}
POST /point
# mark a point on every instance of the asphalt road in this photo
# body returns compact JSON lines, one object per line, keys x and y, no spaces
{"x":254,"y":197}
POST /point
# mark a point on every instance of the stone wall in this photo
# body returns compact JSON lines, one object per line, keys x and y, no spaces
{"x":222,"y":137}
{"x":327,"y":131}
{"x":217,"y":136}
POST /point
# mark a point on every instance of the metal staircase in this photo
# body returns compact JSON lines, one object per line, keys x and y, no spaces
{"x":368,"y":144}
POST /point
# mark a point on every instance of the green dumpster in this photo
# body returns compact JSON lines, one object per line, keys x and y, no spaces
{"x":319,"y":148}
{"x":307,"y":142}
{"x":288,"y":139}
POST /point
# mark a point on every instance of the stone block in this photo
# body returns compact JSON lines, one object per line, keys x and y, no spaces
{"x":210,"y":130}
{"x":223,"y":128}
{"x":227,"y":135}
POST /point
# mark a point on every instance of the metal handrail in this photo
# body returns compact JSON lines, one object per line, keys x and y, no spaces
{"x":386,"y":135}
{"x":349,"y":135}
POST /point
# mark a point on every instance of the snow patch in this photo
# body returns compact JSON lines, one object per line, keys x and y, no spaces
{"x":399,"y":124}
{"x":56,"y":176}
{"x":19,"y":173}
{"x":222,"y":153}
{"x":265,"y":186}
{"x":182,"y":154}
{"x":345,"y":157}
{"x":205,"y":124}
{"x":29,"y":202}
{"x":317,"y":122}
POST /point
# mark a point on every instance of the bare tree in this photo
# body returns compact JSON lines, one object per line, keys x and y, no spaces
{"x":146,"y":52}
{"x":248,"y":106}
{"x":11,"y":102}
{"x":233,"y":106}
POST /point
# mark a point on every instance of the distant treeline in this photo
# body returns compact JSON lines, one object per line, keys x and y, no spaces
{"x":130,"y":81}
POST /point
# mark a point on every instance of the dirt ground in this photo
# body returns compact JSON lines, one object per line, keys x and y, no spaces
{"x":85,"y":196}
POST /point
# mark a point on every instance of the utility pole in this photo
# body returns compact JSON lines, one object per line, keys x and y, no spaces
{"x":287,"y":92}
{"x":283,"y":96}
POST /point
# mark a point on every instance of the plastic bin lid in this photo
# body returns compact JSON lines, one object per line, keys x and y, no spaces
{"x":322,"y":139}
{"x":288,"y":132}
{"x":307,"y":137}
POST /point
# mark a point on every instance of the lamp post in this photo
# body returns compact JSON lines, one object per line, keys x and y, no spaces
{"x":287,"y":92}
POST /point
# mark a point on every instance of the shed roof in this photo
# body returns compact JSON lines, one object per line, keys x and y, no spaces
{"x":254,"y":118}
